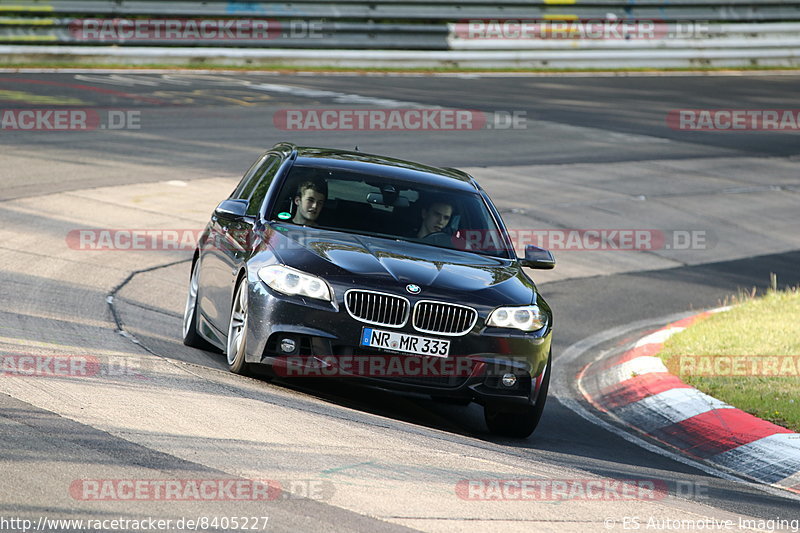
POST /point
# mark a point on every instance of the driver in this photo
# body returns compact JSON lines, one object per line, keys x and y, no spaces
{"x":310,"y":199}
{"x":435,"y":218}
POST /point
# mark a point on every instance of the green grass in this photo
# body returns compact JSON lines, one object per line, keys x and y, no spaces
{"x":754,"y":327}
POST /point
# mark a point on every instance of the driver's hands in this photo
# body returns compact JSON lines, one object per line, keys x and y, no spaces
{"x":439,"y":238}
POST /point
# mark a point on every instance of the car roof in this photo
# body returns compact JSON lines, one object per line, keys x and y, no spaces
{"x":382,"y":166}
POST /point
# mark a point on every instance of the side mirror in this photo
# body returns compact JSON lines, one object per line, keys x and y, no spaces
{"x":232,"y":208}
{"x":538,"y":258}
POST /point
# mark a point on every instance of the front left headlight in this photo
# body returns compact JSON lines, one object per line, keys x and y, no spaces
{"x":525,"y":318}
{"x":294,"y":282}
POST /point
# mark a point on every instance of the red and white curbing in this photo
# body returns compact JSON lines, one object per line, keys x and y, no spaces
{"x":636,"y":388}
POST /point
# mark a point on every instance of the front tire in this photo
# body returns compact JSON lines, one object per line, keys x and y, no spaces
{"x":237,"y":331}
{"x":518,"y":424}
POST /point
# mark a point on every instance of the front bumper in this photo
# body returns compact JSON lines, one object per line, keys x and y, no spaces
{"x":327,"y":344}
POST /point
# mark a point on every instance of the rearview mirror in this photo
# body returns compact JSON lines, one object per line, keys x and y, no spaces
{"x":378,"y":198}
{"x":538,"y":258}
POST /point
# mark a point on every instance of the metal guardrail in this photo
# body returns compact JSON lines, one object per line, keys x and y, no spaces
{"x":441,"y":10}
{"x":483,"y":59}
{"x":294,"y":34}
{"x":667,"y":36}
{"x":733,"y":32}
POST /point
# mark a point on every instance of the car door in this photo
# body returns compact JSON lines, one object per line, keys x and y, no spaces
{"x":230,"y":243}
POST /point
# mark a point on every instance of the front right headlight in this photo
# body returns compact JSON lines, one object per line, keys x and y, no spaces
{"x":294,"y":282}
{"x":525,"y":318}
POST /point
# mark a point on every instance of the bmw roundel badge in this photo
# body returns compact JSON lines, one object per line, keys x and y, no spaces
{"x":413,"y":289}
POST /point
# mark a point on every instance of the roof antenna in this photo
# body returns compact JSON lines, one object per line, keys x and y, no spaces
{"x":356,"y":148}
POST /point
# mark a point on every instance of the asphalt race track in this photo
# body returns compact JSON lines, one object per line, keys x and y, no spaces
{"x":588,"y":152}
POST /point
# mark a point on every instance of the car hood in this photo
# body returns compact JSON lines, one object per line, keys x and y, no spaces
{"x":403,"y":262}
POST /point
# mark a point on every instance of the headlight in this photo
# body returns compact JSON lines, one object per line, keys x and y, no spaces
{"x":526,"y":318}
{"x":293,"y":282}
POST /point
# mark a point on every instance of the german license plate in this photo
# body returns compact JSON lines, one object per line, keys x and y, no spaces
{"x":401,"y":342}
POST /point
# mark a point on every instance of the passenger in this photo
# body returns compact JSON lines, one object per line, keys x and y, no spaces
{"x":310,"y":199}
{"x":435,"y":217}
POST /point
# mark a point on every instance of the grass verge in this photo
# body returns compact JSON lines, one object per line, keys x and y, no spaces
{"x":748,"y":357}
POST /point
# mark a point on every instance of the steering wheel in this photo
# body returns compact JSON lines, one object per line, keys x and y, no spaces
{"x":439,"y":238}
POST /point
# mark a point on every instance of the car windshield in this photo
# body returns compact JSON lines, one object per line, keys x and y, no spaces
{"x":344,"y":200}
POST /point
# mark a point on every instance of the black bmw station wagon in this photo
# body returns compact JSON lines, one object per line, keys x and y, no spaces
{"x":340,"y":263}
